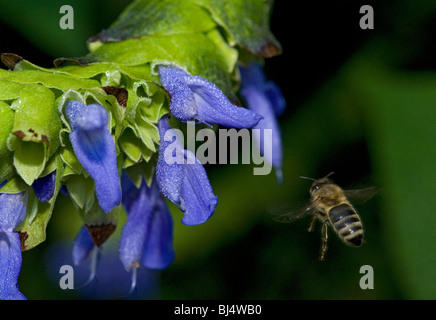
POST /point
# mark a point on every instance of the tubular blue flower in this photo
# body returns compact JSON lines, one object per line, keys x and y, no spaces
{"x":266,"y":99}
{"x":44,"y":187}
{"x":186,"y":184}
{"x":83,"y":246}
{"x":194,"y":98}
{"x":111,"y":282}
{"x":12,"y":212}
{"x":95,"y":149}
{"x":147,"y":237}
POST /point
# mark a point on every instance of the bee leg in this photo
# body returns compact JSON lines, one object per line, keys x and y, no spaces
{"x":324,"y":239}
{"x":312,"y":222}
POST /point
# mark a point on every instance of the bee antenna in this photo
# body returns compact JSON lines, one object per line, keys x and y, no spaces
{"x":329,"y":175}
{"x":307,"y":178}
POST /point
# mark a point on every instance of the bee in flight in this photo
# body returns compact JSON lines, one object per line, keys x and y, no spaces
{"x":331,"y":205}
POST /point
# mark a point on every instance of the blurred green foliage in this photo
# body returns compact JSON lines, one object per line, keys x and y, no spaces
{"x":360,"y":103}
{"x":38,"y":21}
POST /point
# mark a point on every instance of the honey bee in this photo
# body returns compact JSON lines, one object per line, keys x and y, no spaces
{"x":331,"y":205}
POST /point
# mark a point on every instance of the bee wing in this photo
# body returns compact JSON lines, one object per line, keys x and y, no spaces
{"x":296,"y":214}
{"x":361,"y":195}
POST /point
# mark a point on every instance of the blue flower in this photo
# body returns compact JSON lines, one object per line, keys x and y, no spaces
{"x":44,"y":187}
{"x":147,"y":237}
{"x":194,"y":98}
{"x":110,"y":282}
{"x":184,"y":181}
{"x":95,"y":149}
{"x":266,"y":99}
{"x":12,"y":212}
{"x":83,"y":246}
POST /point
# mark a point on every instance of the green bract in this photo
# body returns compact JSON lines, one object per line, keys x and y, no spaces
{"x":243,"y":24}
{"x":203,"y":37}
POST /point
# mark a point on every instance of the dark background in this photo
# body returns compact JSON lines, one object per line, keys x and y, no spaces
{"x":361,"y":103}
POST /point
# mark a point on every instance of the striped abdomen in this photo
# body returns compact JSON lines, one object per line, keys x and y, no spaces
{"x":347,"y":224}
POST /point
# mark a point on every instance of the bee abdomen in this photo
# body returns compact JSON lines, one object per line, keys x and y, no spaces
{"x":347,"y":224}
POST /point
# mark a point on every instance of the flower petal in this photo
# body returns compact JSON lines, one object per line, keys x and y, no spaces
{"x":95,"y":149}
{"x":183,"y":105}
{"x":158,"y":250}
{"x":130,"y":192}
{"x":12,"y":210}
{"x":193,"y":97}
{"x":83,"y":246}
{"x":147,"y":236}
{"x":10,"y":265}
{"x":214,"y":107}
{"x":87,"y":118}
{"x":276,"y":98}
{"x":197,"y":198}
{"x":169,"y":176}
{"x":135,"y":231}
{"x":260,"y":103}
{"x":264,"y":98}
{"x":254,"y":78}
{"x":44,"y":187}
{"x":186,"y":184}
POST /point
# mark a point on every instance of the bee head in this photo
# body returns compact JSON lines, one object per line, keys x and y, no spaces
{"x":317,"y":184}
